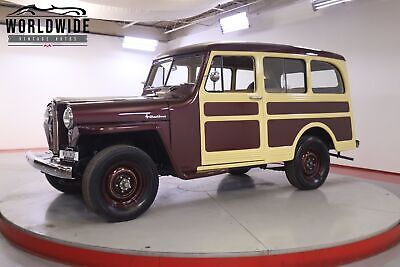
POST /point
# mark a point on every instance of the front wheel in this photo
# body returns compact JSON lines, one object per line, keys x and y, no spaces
{"x":67,"y":186}
{"x":120,"y":183}
{"x":310,"y":166}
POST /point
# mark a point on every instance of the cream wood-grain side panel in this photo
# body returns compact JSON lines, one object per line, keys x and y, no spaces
{"x":266,"y":154}
{"x":224,"y":159}
{"x":285,"y":153}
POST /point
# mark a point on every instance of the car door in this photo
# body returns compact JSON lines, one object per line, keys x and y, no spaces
{"x":285,"y":86}
{"x":232,"y":121}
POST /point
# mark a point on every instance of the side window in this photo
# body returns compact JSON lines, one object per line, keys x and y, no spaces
{"x":273,"y":75}
{"x":159,"y":77}
{"x":217,"y":82}
{"x":295,"y":72}
{"x":231,"y":74}
{"x":161,"y":73}
{"x":178,"y":75}
{"x":284,"y":75}
{"x":244,"y":79}
{"x":326,"y":78}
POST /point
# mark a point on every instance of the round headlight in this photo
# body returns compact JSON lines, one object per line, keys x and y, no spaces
{"x":48,"y":113}
{"x":68,"y":118}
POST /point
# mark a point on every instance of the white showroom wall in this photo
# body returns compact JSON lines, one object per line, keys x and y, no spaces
{"x":31,"y":77}
{"x":366,"y":32}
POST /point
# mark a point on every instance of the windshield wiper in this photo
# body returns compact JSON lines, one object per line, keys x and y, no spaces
{"x":152,"y":89}
{"x":174,"y":87}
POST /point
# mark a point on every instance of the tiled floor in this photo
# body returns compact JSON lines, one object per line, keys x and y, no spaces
{"x":10,"y":256}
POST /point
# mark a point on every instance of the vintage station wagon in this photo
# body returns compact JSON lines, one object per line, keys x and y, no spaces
{"x":205,"y":109}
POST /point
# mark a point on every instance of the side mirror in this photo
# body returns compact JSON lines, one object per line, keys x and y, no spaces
{"x":214,"y":76}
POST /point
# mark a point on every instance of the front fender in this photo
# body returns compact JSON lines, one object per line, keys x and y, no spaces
{"x":160,"y":127}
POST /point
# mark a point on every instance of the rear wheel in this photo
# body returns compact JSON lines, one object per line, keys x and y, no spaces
{"x":310,"y":166}
{"x":67,"y":186}
{"x":239,"y":171}
{"x":120,"y":183}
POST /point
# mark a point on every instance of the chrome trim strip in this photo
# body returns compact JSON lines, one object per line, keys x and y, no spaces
{"x":47,"y":163}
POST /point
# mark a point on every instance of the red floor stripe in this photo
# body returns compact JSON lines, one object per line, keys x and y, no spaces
{"x":89,"y":257}
{"x":39,"y":149}
{"x":369,"y":174}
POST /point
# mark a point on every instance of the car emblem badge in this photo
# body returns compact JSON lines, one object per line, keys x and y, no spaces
{"x":158,"y":116}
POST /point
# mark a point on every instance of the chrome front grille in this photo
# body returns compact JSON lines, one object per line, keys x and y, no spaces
{"x":55,"y":130}
{"x":56,"y":133}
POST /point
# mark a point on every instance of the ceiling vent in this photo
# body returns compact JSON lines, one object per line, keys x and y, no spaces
{"x":320,"y":4}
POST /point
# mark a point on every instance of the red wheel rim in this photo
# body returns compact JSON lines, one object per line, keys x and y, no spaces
{"x":124,"y":186}
{"x":311,"y":165}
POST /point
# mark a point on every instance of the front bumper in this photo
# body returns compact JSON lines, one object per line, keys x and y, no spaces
{"x":47,"y":163}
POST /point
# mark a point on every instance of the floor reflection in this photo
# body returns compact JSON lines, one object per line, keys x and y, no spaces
{"x":240,"y":182}
{"x":235,"y":182}
{"x":70,"y":208}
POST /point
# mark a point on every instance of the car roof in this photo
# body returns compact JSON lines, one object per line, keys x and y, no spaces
{"x":249,"y":46}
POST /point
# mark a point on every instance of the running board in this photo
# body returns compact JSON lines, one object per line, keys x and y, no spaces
{"x":274,"y":168}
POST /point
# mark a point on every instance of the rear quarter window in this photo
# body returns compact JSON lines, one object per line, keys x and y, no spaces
{"x":326,"y":78}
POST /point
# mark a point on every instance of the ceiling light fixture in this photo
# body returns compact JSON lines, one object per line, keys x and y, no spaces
{"x":235,"y":22}
{"x":320,"y":4}
{"x":140,"y":43}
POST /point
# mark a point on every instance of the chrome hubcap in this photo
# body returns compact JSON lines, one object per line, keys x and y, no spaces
{"x":125,"y":184}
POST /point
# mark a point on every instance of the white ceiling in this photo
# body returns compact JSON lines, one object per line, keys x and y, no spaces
{"x":132,"y":10}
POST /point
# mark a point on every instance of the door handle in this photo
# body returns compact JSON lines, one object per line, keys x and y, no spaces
{"x":255,"y":97}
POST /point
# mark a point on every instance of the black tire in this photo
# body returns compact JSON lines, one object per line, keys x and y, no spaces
{"x":239,"y":171}
{"x":120,"y":183}
{"x":310,"y":166}
{"x":67,"y":186}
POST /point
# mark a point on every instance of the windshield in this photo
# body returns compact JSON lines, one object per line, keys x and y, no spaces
{"x":174,"y":71}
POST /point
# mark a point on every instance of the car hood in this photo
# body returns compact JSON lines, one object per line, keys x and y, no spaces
{"x":112,"y":110}
{"x":104,"y":99}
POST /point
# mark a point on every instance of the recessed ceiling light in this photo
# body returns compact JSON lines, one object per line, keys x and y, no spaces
{"x":139,"y":43}
{"x":235,"y":22}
